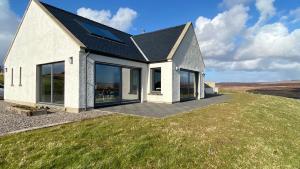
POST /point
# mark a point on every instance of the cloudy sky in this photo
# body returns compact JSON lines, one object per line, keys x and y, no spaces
{"x":241,"y":40}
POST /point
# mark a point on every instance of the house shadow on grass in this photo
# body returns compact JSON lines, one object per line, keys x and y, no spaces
{"x":212,"y":95}
{"x":293,"y":93}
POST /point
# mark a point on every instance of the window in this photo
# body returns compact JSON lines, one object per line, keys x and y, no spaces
{"x":12,"y":76}
{"x":156,"y":79}
{"x":188,"y":85}
{"x":99,"y":31}
{"x":20,"y":77}
{"x":134,"y":81}
{"x":52,"y":83}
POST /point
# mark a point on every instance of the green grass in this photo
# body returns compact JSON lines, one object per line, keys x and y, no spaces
{"x":249,"y":131}
{"x":1,"y":79}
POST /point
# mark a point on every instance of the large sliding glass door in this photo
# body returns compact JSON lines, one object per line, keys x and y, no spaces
{"x":107,"y":84}
{"x":188,"y":85}
{"x":51,"y":83}
{"x":116,"y":84}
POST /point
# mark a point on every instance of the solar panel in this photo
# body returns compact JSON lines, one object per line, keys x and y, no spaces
{"x":97,"y":31}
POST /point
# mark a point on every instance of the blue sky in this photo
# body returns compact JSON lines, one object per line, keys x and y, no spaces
{"x":153,"y":15}
{"x":241,"y":40}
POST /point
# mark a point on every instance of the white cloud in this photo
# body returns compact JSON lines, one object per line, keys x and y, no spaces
{"x":217,"y":35}
{"x":231,"y":3}
{"x":122,"y":20}
{"x":230,"y":43}
{"x":271,"y":41}
{"x":8,"y":24}
{"x":266,"y":9}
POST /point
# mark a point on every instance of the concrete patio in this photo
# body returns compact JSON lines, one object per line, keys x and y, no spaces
{"x":159,"y":110}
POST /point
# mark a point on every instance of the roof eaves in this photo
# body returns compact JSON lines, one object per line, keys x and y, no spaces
{"x":179,"y":40}
{"x":112,"y":55}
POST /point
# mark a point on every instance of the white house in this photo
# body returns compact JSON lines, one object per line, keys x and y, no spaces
{"x":59,"y":58}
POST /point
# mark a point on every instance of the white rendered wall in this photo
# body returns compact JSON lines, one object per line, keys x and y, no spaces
{"x":40,"y":40}
{"x":166,"y":83}
{"x":188,"y":56}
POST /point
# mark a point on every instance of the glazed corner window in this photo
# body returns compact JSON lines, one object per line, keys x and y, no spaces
{"x":156,"y":79}
{"x":12,"y":76}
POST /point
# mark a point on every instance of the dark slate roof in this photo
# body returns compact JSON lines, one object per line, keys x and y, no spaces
{"x":127,"y":50}
{"x":157,"y":45}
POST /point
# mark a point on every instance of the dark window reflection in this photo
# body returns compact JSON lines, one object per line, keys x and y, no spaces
{"x":134,"y":81}
{"x":187,"y":85}
{"x":108,"y":79}
{"x":52,"y":78}
{"x":45,"y":83}
{"x":156,"y":79}
{"x":58,"y":83}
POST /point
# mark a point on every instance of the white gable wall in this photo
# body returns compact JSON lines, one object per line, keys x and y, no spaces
{"x":188,"y":56}
{"x":40,"y":40}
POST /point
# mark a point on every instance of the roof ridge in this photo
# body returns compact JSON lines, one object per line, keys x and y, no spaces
{"x":43,"y":3}
{"x":159,"y":30}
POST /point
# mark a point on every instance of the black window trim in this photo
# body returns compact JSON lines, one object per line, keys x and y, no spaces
{"x":38,"y":66}
{"x":153,"y":91}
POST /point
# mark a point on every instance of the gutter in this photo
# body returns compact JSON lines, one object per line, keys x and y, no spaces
{"x":86,"y":89}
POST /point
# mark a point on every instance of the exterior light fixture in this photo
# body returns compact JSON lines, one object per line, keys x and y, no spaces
{"x":177,"y":68}
{"x":71,"y":60}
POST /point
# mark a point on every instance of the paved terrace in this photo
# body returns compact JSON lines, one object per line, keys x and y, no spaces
{"x":12,"y":123}
{"x":163,"y":110}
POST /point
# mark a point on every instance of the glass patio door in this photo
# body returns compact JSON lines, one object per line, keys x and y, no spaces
{"x":51,"y":83}
{"x":107,"y":84}
{"x":116,"y":84}
{"x":188,"y":85}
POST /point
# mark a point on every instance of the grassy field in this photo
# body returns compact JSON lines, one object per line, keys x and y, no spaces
{"x":249,"y":131}
{"x":1,"y":79}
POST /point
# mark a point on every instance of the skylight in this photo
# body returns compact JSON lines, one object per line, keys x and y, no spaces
{"x":97,"y":31}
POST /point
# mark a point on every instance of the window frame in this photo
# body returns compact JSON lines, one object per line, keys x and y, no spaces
{"x":153,"y":90}
{"x":52,"y":101}
{"x":12,"y":77}
{"x":20,"y":76}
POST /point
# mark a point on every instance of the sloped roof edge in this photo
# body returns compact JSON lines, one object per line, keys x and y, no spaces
{"x":179,"y":40}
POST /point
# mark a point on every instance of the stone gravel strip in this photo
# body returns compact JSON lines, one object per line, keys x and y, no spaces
{"x":10,"y":122}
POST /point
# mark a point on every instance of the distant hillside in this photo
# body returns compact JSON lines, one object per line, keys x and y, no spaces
{"x":285,"y":83}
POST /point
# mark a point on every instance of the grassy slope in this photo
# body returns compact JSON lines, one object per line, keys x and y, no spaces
{"x":249,"y":131}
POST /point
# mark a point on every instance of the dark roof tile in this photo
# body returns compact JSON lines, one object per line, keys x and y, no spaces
{"x":126,"y":50}
{"x":157,"y":45}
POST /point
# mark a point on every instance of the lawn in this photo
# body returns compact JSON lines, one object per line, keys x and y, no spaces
{"x":1,"y":79}
{"x":249,"y":131}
